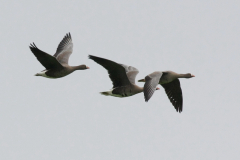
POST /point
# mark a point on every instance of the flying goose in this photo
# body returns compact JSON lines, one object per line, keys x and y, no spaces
{"x":122,"y":77}
{"x":57,"y":65}
{"x":170,"y":82}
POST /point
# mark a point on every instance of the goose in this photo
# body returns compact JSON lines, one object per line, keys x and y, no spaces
{"x":56,"y":66}
{"x":170,"y":82}
{"x":122,"y":77}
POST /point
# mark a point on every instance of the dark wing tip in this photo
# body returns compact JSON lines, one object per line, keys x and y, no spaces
{"x":145,"y":97}
{"x":66,"y":38}
{"x":178,"y":106}
{"x":92,"y":57}
{"x":68,"y":35}
{"x":179,"y":110}
{"x":33,"y":46}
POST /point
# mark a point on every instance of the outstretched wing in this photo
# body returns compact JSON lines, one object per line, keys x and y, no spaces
{"x":174,"y":93}
{"x":116,"y":71}
{"x":64,"y":49}
{"x":48,"y":61}
{"x":151,"y":82}
{"x":131,"y":72}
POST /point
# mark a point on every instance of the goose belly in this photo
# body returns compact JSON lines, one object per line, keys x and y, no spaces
{"x":43,"y":74}
{"x":119,"y":92}
{"x":53,"y":74}
{"x":122,"y":92}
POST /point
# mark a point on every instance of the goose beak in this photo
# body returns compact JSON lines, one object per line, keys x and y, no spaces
{"x":157,"y":88}
{"x":141,"y":80}
{"x":87,"y":67}
{"x":192,"y":75}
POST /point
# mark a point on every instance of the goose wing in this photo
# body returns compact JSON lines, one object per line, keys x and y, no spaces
{"x":151,"y":82}
{"x":48,"y":61}
{"x":64,"y":49}
{"x":117,"y":72}
{"x":174,"y":93}
{"x":131,"y":72}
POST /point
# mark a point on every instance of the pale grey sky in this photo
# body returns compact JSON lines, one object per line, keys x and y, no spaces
{"x":67,"y":118}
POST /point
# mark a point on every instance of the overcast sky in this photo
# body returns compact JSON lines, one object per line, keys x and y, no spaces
{"x":67,"y":118}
